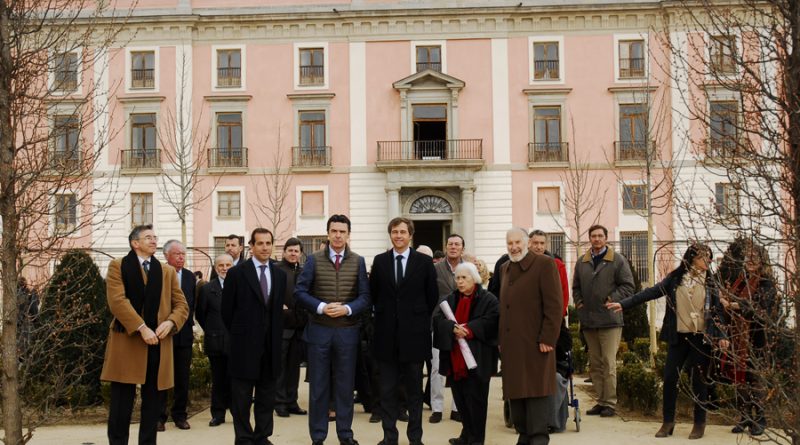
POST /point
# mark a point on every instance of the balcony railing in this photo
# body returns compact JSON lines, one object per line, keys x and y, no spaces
{"x":229,"y":77}
{"x":143,"y":78}
{"x":66,"y":81}
{"x":722,"y":64}
{"x":141,"y":158}
{"x":450,"y":149}
{"x":631,"y":67}
{"x":436,"y":66}
{"x":312,"y":74}
{"x":311,"y":157}
{"x":723,"y":147}
{"x":64,"y":162}
{"x":542,"y":152}
{"x":632,"y":150}
{"x":545,"y":69}
{"x":227,"y":157}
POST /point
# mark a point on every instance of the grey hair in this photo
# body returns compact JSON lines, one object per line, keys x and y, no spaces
{"x":517,"y":230}
{"x":425,"y":249}
{"x":470,"y":268}
{"x":168,"y":245}
{"x":222,"y":256}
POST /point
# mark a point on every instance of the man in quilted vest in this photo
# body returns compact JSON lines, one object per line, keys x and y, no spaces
{"x":334,"y":288}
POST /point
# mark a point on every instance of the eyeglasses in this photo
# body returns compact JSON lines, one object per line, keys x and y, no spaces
{"x":149,"y":238}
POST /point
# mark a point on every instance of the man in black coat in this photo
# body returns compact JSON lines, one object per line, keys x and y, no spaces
{"x":175,"y":253}
{"x":215,"y":339}
{"x":252,"y":310}
{"x":403,"y":287}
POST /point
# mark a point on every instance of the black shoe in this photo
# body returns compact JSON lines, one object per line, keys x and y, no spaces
{"x":416,"y":442}
{"x":435,"y":417}
{"x":589,"y":380}
{"x":215,"y":422}
{"x":756,"y":429}
{"x":403,"y":417}
{"x":282,"y":412}
{"x":161,"y":427}
{"x":739,"y":428}
{"x":608,"y":412}
{"x":457,"y":441}
{"x":384,"y":442}
{"x":594,"y":411}
{"x":455,"y":415}
{"x":297,"y":410}
{"x":349,"y":441}
{"x":374,"y":418}
{"x":317,"y":442}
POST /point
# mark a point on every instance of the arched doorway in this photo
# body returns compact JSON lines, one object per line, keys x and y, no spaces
{"x":432,"y":214}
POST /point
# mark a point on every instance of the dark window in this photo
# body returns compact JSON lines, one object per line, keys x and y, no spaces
{"x":631,"y":58}
{"x":143,"y":68}
{"x":229,"y":131}
{"x":722,"y":52}
{"x":312,"y":66}
{"x":727,"y":201}
{"x":545,"y":61}
{"x":143,"y":131}
{"x":66,"y":212}
{"x":312,"y":129}
{"x":65,"y":77}
{"x":556,"y":244}
{"x":229,"y":68}
{"x":634,"y":197}
{"x":66,"y":133}
{"x":547,"y":126}
{"x":429,"y":58}
{"x":724,"y":117}
{"x":633,"y":245}
{"x":141,"y":209}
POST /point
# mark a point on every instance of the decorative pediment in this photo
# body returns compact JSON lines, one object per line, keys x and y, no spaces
{"x":429,"y":80}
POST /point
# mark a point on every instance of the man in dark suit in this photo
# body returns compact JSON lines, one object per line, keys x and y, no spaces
{"x":252,"y":309}
{"x":215,"y":339}
{"x":334,"y":288}
{"x":175,"y":253}
{"x":148,"y":308}
{"x":404,"y":295}
{"x":234,"y":246}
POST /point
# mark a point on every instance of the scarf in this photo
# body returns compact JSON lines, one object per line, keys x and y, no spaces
{"x":145,"y":299}
{"x":741,"y":290}
{"x":458,"y":365}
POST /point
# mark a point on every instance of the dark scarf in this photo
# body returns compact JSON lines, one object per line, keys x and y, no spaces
{"x":144,"y":299}
{"x":459,"y":365}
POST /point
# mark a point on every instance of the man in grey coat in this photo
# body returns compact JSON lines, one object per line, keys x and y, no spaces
{"x":601,"y":276}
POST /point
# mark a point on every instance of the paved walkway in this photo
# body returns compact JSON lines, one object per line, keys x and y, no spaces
{"x":294,"y":430}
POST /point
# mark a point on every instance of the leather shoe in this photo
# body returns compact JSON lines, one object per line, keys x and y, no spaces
{"x":698,"y":430}
{"x":595,"y":410}
{"x":457,"y":441}
{"x":739,"y":428}
{"x":374,"y":418}
{"x":182,"y":424}
{"x":161,"y":427}
{"x":403,"y":416}
{"x":297,"y":410}
{"x":608,"y":412}
{"x":384,"y":442}
{"x":317,"y":442}
{"x":435,"y":417}
{"x":348,"y":441}
{"x":455,"y":415}
{"x":215,"y":422}
{"x":667,"y":428}
{"x":756,"y":429}
{"x":282,"y":412}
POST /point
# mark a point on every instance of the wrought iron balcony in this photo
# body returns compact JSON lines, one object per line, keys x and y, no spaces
{"x":545,"y":70}
{"x":312,"y":74}
{"x":631,"y":67}
{"x":65,"y":81}
{"x":723,"y":147}
{"x":229,"y":77}
{"x":625,"y":151}
{"x":467,"y":153}
{"x":227,"y":157}
{"x":65,"y":162}
{"x":311,"y":157}
{"x":436,"y":66}
{"x":143,"y":78}
{"x":141,"y":158}
{"x":544,"y":152}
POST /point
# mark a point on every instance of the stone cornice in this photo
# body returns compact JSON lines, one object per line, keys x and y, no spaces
{"x":140,"y":99}
{"x":228,"y":98}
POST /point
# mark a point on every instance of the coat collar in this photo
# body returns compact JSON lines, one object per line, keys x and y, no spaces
{"x":609,"y":256}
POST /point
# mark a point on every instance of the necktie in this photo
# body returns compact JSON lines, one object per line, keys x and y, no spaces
{"x":146,"y":267}
{"x":399,"y":269}
{"x":262,"y":280}
{"x":338,"y":262}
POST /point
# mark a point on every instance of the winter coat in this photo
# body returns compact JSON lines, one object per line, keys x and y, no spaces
{"x":592,"y":288}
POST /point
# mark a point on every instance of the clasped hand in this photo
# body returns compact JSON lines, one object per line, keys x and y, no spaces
{"x":152,"y":338}
{"x":460,"y":330}
{"x":335,"y":310}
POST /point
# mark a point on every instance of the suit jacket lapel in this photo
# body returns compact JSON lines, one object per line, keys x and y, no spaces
{"x":251,"y":275}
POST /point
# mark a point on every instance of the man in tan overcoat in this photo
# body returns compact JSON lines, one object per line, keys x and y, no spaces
{"x":148,"y":308}
{"x":530,"y":318}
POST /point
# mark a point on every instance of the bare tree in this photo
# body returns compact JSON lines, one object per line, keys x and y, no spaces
{"x":737,"y":72}
{"x":186,"y":149}
{"x":275,"y":184}
{"x":53,"y":133}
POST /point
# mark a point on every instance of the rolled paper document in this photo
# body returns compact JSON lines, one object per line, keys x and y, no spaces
{"x":469,"y":359}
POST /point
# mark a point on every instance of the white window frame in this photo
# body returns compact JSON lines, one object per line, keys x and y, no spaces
{"x":130,"y":204}
{"x":70,"y":232}
{"x":561,"y":60}
{"x":51,"y":75}
{"x":243,"y":55}
{"x":710,"y":76}
{"x":311,"y":225}
{"x":224,"y":226}
{"x":227,"y":107}
{"x":644,"y":36}
{"x":156,"y":69}
{"x":228,"y":217}
{"x":440,"y":43}
{"x":325,"y":60}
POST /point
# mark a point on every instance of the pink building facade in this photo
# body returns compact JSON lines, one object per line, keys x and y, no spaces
{"x":465,"y":119}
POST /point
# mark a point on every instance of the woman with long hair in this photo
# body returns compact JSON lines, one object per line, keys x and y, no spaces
{"x":689,"y":327}
{"x":749,"y":297}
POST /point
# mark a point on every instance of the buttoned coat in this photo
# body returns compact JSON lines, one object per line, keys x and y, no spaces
{"x":403,"y":313}
{"x":209,"y":314}
{"x":593,"y":287}
{"x":126,"y":352}
{"x":255,"y":329}
{"x":530,"y":314}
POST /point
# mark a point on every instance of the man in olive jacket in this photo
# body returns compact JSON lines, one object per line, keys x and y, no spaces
{"x":601,"y":276}
{"x":148,"y":308}
{"x":530,"y":321}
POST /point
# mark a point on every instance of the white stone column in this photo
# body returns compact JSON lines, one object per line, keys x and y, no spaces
{"x":393,"y":201}
{"x":468,"y":216}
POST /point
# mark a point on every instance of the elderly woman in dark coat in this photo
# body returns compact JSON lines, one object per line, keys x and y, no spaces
{"x":476,"y":312}
{"x":690,"y":325}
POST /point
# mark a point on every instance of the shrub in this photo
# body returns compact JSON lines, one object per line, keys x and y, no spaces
{"x":579,"y":356}
{"x":200,"y":372}
{"x":622,"y":349}
{"x":641,"y":347}
{"x":636,"y":324}
{"x":638,"y":388}
{"x":67,"y":340}
{"x":629,"y":358}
